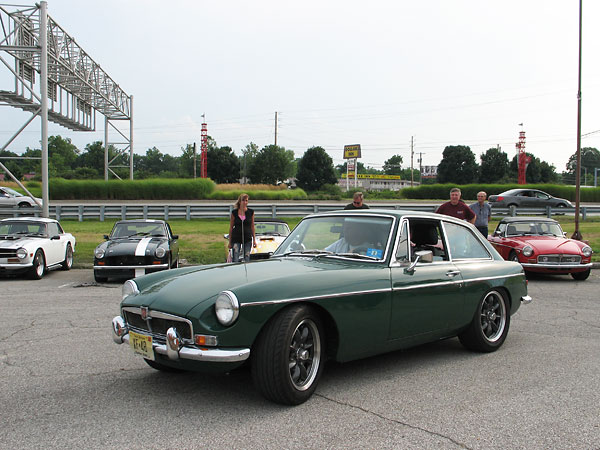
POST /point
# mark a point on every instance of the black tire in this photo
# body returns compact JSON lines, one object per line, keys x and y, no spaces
{"x":489,"y":327}
{"x":162,"y":367}
{"x":68,"y":262}
{"x":512,"y":204}
{"x":580,"y":276}
{"x":288,"y":356}
{"x":512,"y":256}
{"x":99,"y":278}
{"x":38,"y":269}
{"x":25,"y":205}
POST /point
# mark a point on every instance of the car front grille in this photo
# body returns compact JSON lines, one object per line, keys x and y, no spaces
{"x":559,"y":259}
{"x":8,"y":253}
{"x":128,"y":260}
{"x":157,"y":323}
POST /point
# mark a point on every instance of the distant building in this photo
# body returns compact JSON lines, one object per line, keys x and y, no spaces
{"x":375,"y":182}
{"x":29,"y":176}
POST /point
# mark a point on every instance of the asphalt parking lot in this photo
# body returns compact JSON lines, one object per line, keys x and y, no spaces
{"x":65,"y":384}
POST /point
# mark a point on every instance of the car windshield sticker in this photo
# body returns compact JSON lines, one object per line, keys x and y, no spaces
{"x":375,"y":253}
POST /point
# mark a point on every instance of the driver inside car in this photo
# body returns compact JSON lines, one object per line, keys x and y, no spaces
{"x":355,"y":239}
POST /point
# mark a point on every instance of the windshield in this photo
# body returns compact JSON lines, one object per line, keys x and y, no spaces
{"x":13,"y":192}
{"x":137,"y":229}
{"x":361,"y":237}
{"x":534,"y":229}
{"x":271,"y":228}
{"x":22,"y":228}
{"x":511,"y":192}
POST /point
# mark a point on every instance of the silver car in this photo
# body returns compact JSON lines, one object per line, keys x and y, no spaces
{"x":530,"y":198}
{"x":9,"y":197}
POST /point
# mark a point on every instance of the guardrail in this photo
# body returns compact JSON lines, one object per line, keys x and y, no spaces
{"x":188,"y":212}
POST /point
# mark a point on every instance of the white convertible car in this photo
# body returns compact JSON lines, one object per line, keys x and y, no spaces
{"x":34,"y":245}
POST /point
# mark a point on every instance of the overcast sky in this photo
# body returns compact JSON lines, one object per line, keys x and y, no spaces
{"x":459,"y":72}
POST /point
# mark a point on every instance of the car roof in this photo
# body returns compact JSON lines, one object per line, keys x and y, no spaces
{"x":30,"y":219}
{"x":526,"y":219}
{"x":397,"y":213}
{"x":269,"y":219}
{"x":141,"y":221}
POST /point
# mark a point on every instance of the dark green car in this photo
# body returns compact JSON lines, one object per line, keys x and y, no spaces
{"x":342,"y":286}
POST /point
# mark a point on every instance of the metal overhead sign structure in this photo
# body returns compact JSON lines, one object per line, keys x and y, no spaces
{"x":71,"y":88}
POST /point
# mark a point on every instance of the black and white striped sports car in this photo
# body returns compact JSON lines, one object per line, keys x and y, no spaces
{"x":134,"y":248}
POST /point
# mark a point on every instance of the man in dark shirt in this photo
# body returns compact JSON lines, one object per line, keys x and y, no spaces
{"x":357,"y":202}
{"x":456,"y":207}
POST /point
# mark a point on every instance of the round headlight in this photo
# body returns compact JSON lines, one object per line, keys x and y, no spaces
{"x":227,"y":308}
{"x":99,"y":252}
{"x":21,"y":253}
{"x":160,"y":252}
{"x":527,"y":250}
{"x":587,"y":251}
{"x":129,"y":288}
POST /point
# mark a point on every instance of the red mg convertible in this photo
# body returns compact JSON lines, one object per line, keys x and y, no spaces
{"x":540,"y":245}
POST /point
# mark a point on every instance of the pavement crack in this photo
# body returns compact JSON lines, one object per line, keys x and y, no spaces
{"x":398,"y":422}
{"x":28,"y":327}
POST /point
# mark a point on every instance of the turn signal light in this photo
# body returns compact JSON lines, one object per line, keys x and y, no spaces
{"x":500,"y":199}
{"x":201,"y":339}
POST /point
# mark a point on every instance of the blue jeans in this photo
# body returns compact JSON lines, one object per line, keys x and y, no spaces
{"x":237,"y":249}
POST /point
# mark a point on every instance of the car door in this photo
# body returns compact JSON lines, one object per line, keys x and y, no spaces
{"x":6,"y":199}
{"x":428,"y":299}
{"x":55,"y":245}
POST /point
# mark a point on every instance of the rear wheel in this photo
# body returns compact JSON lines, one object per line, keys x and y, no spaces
{"x":580,"y":276}
{"x":513,"y":256}
{"x":38,"y":269}
{"x":288,"y":356}
{"x":68,"y":262}
{"x":489,"y":327}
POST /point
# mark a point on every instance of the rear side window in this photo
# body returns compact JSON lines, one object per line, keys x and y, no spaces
{"x":463,"y":244}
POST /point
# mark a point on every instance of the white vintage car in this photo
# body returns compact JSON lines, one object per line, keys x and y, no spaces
{"x":34,"y":245}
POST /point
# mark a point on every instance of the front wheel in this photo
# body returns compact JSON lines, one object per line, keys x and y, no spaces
{"x":68,"y":262}
{"x":288,"y":356}
{"x":513,"y":256}
{"x":580,"y":276}
{"x":489,"y":327}
{"x":38,"y":269}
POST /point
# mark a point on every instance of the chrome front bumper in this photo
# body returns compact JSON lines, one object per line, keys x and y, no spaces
{"x":526,"y":299}
{"x":557,"y":266}
{"x":174,"y":348}
{"x":150,"y":266}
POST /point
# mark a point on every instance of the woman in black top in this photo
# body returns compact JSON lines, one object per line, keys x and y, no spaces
{"x":241,"y":229}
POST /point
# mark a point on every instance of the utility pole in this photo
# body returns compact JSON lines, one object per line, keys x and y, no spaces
{"x":194,"y":160}
{"x":412,"y":154}
{"x":420,"y":165}
{"x":275,"y":128}
{"x":577,"y":234}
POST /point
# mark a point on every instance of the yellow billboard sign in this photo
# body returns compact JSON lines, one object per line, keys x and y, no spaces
{"x":374,"y":176}
{"x":352,"y":151}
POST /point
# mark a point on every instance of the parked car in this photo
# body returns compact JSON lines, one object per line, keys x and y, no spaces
{"x":269,"y":234}
{"x":540,"y":245}
{"x":34,"y":245}
{"x":9,"y":197}
{"x":134,"y":248}
{"x":343,"y":285}
{"x":530,"y":198}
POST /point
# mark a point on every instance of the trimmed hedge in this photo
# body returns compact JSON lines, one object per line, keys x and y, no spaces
{"x":149,"y":189}
{"x":287,"y":194}
{"x":469,"y":191}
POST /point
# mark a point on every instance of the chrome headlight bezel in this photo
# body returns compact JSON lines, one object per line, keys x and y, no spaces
{"x":227,"y":308}
{"x":160,"y":252}
{"x":528,"y":250}
{"x":587,"y":251}
{"x":129,"y":288}
{"x":99,"y":252}
{"x":22,"y":253}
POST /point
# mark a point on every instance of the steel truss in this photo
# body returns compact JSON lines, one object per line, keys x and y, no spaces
{"x":71,"y":88}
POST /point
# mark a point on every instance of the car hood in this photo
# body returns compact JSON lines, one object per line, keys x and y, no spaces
{"x":550,"y":244}
{"x":20,"y":242}
{"x":179,"y":291}
{"x":120,"y":247}
{"x":266,"y":243}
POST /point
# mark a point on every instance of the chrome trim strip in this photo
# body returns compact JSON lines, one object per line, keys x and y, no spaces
{"x":526,"y":299}
{"x":198,"y":354}
{"x":150,"y":266}
{"x":315,"y":297}
{"x":428,"y":285}
{"x":160,"y":315}
{"x":497,"y":277}
{"x":557,"y":266}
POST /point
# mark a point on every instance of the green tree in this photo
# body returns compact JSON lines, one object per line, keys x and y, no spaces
{"x":458,"y":165}
{"x":590,"y":160}
{"x":272,"y":164}
{"x":223,"y":165}
{"x":249,"y":154}
{"x":62,"y":155}
{"x":537,"y":171}
{"x":393,"y":166}
{"x":186,"y":162}
{"x":341,"y":168}
{"x":494,"y":166}
{"x":315,"y":169}
{"x":13,"y":165}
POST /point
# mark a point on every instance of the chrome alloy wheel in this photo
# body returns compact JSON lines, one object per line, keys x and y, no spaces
{"x":304,"y":354}
{"x":492,"y":316}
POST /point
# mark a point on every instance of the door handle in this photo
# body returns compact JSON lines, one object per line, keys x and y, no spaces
{"x":452,"y":273}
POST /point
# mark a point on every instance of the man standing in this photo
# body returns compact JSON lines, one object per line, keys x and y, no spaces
{"x":357,"y":202}
{"x":456,"y":207}
{"x":484,"y":211}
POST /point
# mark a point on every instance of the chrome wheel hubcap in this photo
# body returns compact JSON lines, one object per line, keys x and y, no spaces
{"x":304,"y":354}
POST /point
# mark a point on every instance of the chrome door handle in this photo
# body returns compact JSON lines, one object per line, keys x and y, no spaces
{"x":452,"y":273}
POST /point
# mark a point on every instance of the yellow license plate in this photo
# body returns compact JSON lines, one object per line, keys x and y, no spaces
{"x":141,"y":344}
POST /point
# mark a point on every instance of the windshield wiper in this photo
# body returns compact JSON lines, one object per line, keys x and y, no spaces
{"x":357,"y":255}
{"x":312,"y":252}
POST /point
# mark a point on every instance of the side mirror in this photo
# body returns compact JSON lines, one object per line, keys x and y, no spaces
{"x":425,"y":256}
{"x":226,"y":236}
{"x":106,"y":237}
{"x":55,"y":238}
{"x":175,"y":237}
